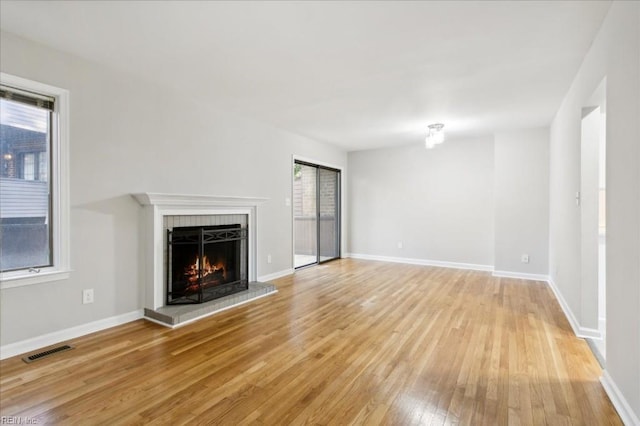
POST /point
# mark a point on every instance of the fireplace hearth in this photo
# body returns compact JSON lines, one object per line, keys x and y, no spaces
{"x":206,"y":263}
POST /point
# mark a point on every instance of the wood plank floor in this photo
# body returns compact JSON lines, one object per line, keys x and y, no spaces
{"x":349,"y":342}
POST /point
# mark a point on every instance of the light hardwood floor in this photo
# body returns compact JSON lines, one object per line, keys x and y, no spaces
{"x":347,"y":342}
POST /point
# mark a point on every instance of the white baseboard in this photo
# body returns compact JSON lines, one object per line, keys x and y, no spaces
{"x":521,"y":275}
{"x":275,"y":275}
{"x":618,"y":400}
{"x":583,"y":332}
{"x":424,"y":262}
{"x":28,"y":345}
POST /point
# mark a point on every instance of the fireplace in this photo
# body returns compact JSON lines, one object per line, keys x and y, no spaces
{"x":168,"y":211}
{"x":206,"y":262}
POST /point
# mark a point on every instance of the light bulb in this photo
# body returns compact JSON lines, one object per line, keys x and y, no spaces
{"x":428,"y":143}
{"x":437,"y":137}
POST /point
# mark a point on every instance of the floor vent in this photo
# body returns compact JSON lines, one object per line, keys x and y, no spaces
{"x":45,"y":354}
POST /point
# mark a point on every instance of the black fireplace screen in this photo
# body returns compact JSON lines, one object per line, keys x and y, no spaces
{"x":205,"y":263}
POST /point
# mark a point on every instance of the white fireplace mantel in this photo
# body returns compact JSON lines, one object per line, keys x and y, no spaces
{"x":156,"y":206}
{"x":193,"y":201}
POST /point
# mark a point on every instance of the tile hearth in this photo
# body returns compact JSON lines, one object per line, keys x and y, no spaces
{"x":177,"y":315}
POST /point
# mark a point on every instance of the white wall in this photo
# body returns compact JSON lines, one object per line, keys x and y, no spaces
{"x":614,"y":55}
{"x":129,"y":136}
{"x":438,"y":203}
{"x":522,"y":200}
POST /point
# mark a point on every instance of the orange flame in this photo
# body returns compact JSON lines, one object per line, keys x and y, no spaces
{"x":207,"y":268}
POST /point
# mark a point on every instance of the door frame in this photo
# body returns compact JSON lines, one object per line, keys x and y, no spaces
{"x":595,"y":328}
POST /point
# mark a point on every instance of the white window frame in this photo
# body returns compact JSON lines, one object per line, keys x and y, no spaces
{"x":61,"y":267}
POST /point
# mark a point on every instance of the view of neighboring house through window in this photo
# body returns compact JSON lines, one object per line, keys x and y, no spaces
{"x":25,"y":184}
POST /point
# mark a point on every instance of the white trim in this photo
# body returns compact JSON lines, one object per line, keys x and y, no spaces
{"x":191,"y":201}
{"x":275,"y":275}
{"x":583,"y":332}
{"x":34,"y":278}
{"x":13,"y":349}
{"x":157,"y":205}
{"x":208,"y":314}
{"x":521,"y":275}
{"x":60,"y":188}
{"x":589,"y":333}
{"x":618,"y":400}
{"x":425,"y":262}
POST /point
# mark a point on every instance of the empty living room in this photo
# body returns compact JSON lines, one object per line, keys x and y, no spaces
{"x":320,"y":212}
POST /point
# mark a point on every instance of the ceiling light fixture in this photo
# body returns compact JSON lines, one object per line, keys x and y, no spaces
{"x":435,"y":135}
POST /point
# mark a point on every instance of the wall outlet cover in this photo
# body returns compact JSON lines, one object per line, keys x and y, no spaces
{"x":87,"y":296}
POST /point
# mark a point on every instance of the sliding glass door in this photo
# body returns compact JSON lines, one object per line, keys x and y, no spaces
{"x":305,"y":214}
{"x":316,"y":213}
{"x":329,"y":213}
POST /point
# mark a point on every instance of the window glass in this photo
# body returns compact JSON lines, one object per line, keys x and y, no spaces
{"x":43,"y":167}
{"x":28,"y":166}
{"x":25,"y":202}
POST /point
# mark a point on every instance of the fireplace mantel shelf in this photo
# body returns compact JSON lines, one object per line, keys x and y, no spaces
{"x":182,"y":200}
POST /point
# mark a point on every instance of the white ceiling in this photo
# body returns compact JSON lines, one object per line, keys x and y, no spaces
{"x":356,"y":74}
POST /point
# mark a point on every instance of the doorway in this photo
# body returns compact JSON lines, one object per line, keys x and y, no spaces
{"x":593,"y":220}
{"x":316,"y":214}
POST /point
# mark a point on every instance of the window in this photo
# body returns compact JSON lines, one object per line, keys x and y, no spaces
{"x":28,"y":160}
{"x":34,"y":165}
{"x":34,"y":240}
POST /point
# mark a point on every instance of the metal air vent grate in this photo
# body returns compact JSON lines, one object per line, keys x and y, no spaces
{"x":45,"y":354}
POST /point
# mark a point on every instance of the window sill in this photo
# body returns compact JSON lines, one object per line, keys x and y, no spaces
{"x":23,"y":279}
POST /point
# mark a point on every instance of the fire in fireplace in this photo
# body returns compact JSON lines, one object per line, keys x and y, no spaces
{"x":205,"y":263}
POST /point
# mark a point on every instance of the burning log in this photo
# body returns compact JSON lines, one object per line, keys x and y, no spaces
{"x":207,"y":276}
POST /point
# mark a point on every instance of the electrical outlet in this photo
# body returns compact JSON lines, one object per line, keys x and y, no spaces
{"x":87,"y":296}
{"x":287,"y":202}
{"x":525,"y":258}
{"x":399,"y":244}
{"x":268,"y":258}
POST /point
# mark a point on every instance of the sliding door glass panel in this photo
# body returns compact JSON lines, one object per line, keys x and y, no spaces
{"x":329,"y":208}
{"x":305,"y":213}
